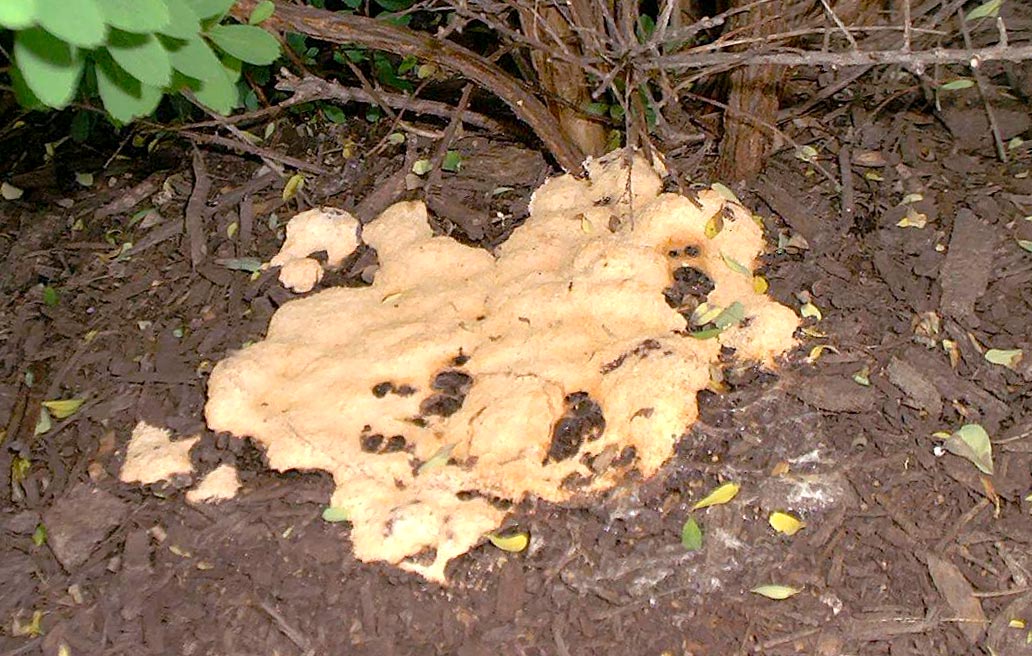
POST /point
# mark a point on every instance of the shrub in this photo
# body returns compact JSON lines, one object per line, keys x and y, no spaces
{"x":132,"y":52}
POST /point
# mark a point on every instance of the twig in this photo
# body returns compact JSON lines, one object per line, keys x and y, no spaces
{"x":434,"y":179}
{"x":233,"y":130}
{"x":251,"y":149}
{"x":922,"y":59}
{"x":372,"y":33}
{"x":196,"y":209}
{"x":983,"y":90}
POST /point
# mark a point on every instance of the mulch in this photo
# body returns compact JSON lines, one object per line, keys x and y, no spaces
{"x":906,"y":550}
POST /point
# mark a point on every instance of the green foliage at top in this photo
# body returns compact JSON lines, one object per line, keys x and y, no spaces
{"x":132,"y":52}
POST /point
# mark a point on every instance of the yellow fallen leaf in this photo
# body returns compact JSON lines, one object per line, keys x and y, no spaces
{"x":760,"y":285}
{"x":719,"y":496}
{"x":714,"y":225}
{"x":1016,"y":623}
{"x":705,"y":313}
{"x":808,"y":310}
{"x":785,"y":523}
{"x":294,"y":185}
{"x":514,"y":543}
{"x":774,"y":591}
{"x":63,"y":408}
{"x":781,"y":468}
{"x":818,"y":350}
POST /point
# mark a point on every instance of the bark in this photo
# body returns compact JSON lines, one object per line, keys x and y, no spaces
{"x":564,"y":83}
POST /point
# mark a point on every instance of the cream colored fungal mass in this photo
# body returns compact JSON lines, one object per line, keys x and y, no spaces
{"x":552,"y":367}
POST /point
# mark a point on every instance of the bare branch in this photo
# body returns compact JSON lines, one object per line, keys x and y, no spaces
{"x":917,"y":60}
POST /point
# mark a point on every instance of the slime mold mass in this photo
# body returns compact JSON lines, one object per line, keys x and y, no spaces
{"x":460,"y":378}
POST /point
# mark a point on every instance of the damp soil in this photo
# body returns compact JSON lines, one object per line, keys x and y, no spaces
{"x":109,"y":295}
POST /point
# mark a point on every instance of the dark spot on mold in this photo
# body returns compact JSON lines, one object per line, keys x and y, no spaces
{"x":582,"y":421}
{"x":371,"y":443}
{"x":394,"y":444}
{"x":441,"y":405}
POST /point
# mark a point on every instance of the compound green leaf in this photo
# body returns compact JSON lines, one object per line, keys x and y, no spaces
{"x":183,"y":22}
{"x":49,"y":66}
{"x":246,"y":42}
{"x":17,"y":14}
{"x":139,"y":16}
{"x":124,"y":96}
{"x":210,"y":8}
{"x":142,"y":56}
{"x":194,"y":58}
{"x":79,"y":22}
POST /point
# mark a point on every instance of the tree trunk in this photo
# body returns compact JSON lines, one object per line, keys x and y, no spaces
{"x":753,"y":100}
{"x":564,"y":84}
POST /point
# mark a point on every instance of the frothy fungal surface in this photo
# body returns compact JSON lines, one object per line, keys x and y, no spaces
{"x":461,"y":378}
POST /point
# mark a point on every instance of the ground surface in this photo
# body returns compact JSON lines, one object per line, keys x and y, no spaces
{"x":902,"y":549}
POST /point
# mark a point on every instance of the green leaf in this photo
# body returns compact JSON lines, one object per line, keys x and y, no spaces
{"x":708,"y":333}
{"x":39,"y":536}
{"x":22,"y":93}
{"x":691,"y":535}
{"x":956,"y":85}
{"x":985,"y":10}
{"x":139,"y":16}
{"x":774,"y":591}
{"x":124,"y":96}
{"x":246,"y":42}
{"x":334,"y":114}
{"x":726,"y":192}
{"x":452,"y":161}
{"x":183,"y":22}
{"x":79,"y":22}
{"x":731,"y":316}
{"x":49,"y":66}
{"x":195,"y":58}
{"x":1026,"y":244}
{"x":395,"y":5}
{"x":261,"y":12}
{"x":645,"y":27}
{"x":734,"y":264}
{"x":44,"y":423}
{"x":1006,"y":357}
{"x":209,"y":8}
{"x":142,"y":56}
{"x":971,"y":442}
{"x":334,"y":515}
{"x":219,"y":93}
{"x":17,"y":14}
{"x":50,"y":296}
